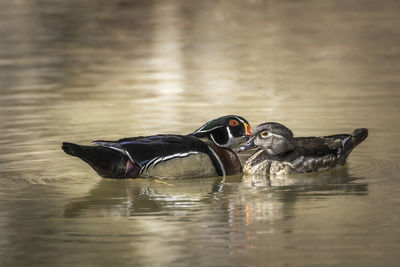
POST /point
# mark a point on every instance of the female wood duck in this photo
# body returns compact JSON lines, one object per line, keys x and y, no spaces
{"x":204,"y":153}
{"x":280,"y":153}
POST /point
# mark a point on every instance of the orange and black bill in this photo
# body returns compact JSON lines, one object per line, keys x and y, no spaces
{"x":248,"y":131}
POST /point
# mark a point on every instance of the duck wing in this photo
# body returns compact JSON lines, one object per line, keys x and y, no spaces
{"x":146,"y":149}
{"x":319,"y":146}
{"x":339,"y":145}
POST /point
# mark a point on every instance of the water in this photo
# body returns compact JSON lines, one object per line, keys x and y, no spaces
{"x":79,"y":71}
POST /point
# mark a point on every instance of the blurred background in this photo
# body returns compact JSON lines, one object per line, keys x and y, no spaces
{"x":84,"y":70}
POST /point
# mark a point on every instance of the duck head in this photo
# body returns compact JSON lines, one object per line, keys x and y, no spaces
{"x":227,"y":131}
{"x":274,"y":138}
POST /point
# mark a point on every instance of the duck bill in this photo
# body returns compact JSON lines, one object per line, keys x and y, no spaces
{"x":248,"y":131}
{"x":249,"y":145}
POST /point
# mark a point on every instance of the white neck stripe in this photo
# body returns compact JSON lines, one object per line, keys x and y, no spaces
{"x":204,"y":131}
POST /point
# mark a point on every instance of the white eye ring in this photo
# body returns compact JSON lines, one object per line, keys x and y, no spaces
{"x":265,"y":134}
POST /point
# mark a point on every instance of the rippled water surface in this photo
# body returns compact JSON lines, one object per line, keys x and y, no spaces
{"x":79,"y":71}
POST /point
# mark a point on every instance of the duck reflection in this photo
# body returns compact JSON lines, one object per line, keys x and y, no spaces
{"x":231,"y":214}
{"x":139,"y":196}
{"x":228,"y":197}
{"x":335,"y":179}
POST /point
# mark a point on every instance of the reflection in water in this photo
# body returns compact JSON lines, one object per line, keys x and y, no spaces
{"x":93,"y":69}
{"x":227,"y":195}
{"x":326,"y":179}
{"x":228,"y":210}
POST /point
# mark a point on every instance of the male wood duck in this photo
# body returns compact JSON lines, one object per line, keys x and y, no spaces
{"x":204,"y":153}
{"x":280,"y":154}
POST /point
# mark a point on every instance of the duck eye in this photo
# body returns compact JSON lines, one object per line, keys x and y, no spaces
{"x":233,"y":123}
{"x":264,"y":134}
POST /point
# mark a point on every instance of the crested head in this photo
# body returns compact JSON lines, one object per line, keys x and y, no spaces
{"x":227,"y":131}
{"x":275,"y":128}
{"x":272,"y":137}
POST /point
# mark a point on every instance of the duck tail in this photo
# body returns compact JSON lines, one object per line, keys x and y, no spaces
{"x":352,"y":141}
{"x":106,"y":162}
{"x":359,"y":135}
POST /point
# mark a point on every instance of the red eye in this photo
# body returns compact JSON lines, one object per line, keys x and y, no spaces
{"x":233,"y":123}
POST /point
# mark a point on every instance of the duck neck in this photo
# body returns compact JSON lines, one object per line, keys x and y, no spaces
{"x":284,"y":156}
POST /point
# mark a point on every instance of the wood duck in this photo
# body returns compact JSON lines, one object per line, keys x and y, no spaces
{"x":204,"y":153}
{"x":280,"y":154}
